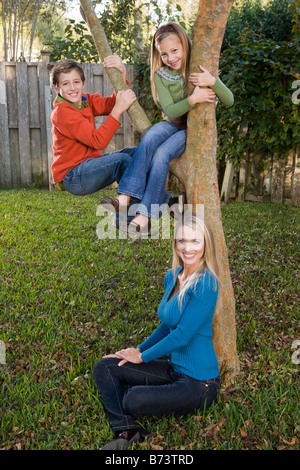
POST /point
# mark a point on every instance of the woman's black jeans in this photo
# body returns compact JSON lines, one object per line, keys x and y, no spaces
{"x":149,"y":389}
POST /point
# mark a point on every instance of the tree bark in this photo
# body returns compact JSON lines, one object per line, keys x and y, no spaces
{"x":196,"y":168}
{"x":4,"y":31}
{"x":139,"y":118}
{"x":36,"y":7}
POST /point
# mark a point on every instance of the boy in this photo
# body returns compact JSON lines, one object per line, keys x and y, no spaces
{"x":78,"y":162}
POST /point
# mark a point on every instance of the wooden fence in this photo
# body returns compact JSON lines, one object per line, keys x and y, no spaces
{"x":264,"y":177}
{"x":23,"y":133}
{"x":26,"y":140}
{"x":25,"y":127}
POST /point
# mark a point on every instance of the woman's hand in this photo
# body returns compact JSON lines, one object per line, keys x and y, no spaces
{"x":128,"y":355}
{"x":114,"y":61}
{"x":205,"y":78}
{"x":202,"y":95}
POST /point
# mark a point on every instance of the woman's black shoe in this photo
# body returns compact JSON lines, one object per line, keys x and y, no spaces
{"x":125,"y":440}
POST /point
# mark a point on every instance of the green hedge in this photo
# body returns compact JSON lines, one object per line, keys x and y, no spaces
{"x":261,"y":75}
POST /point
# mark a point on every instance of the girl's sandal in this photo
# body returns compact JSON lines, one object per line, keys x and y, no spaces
{"x":138,"y":231}
{"x":113,"y":205}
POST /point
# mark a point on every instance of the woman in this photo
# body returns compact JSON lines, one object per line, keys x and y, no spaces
{"x":134,"y":382}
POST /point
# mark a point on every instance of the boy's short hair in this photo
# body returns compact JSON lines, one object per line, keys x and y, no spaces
{"x":65,"y":66}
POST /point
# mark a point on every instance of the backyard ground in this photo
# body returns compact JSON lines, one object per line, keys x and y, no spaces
{"x":67,"y":296}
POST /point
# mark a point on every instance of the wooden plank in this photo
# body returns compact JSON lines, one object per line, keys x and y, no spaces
{"x":128,"y":140}
{"x":295,"y":199}
{"x":44,"y":81}
{"x":277,"y":179}
{"x":48,"y":110}
{"x":98,"y":79}
{"x":88,"y":78}
{"x":288,"y":175}
{"x":98,"y":71}
{"x":35,"y":150}
{"x":107,"y":91}
{"x":257,"y":157}
{"x":97,"y":87}
{"x":23,"y":121}
{"x":33,"y":96}
{"x":227,"y":181}
{"x":35,"y":124}
{"x":11,"y":91}
{"x":5,"y":162}
{"x":107,"y":87}
{"x":242,"y":181}
{"x":14,"y":150}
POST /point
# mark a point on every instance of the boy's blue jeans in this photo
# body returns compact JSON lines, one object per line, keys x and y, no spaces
{"x":97,"y":173}
{"x":146,"y":175}
{"x":149,"y":389}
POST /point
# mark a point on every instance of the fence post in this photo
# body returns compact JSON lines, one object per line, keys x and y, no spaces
{"x":23,"y":123}
{"x":227,"y":181}
{"x":242,"y":180}
{"x":44,"y":85}
{"x":5,"y":165}
{"x":296,"y":179}
{"x":48,"y":109}
{"x":277,"y":179}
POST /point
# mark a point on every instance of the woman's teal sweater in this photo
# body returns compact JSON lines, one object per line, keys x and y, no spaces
{"x":185,"y":334}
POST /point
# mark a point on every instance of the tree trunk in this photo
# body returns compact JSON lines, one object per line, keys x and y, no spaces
{"x":198,"y":171}
{"x":36,"y":7}
{"x":196,"y":168}
{"x":138,"y":20}
{"x":139,"y":118}
{"x":4,"y":30}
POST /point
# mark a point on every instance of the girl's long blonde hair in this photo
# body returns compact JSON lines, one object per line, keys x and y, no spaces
{"x":155,"y":58}
{"x":209,"y":258}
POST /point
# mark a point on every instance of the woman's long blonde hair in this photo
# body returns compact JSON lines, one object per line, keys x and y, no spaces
{"x":209,"y":258}
{"x":155,"y":58}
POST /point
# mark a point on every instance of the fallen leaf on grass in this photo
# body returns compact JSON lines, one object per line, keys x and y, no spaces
{"x":156,"y":447}
{"x":291,"y":443}
{"x":249,"y":423}
{"x":197,"y":419}
{"x":212,"y":430}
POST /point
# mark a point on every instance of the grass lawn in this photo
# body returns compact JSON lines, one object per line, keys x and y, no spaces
{"x":67,"y":297}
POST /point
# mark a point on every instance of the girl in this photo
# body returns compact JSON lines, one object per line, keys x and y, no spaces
{"x":146,"y":175}
{"x":133,"y":382}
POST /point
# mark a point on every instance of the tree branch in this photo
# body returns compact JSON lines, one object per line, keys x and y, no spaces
{"x":139,"y":118}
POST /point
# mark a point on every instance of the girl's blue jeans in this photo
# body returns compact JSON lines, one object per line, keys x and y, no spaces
{"x":94,"y":174}
{"x":146,"y":175}
{"x":149,"y":389}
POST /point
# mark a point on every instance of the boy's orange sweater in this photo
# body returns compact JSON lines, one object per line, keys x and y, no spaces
{"x":75,"y":137}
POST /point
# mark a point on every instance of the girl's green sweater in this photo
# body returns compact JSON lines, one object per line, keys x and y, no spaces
{"x":170,"y":89}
